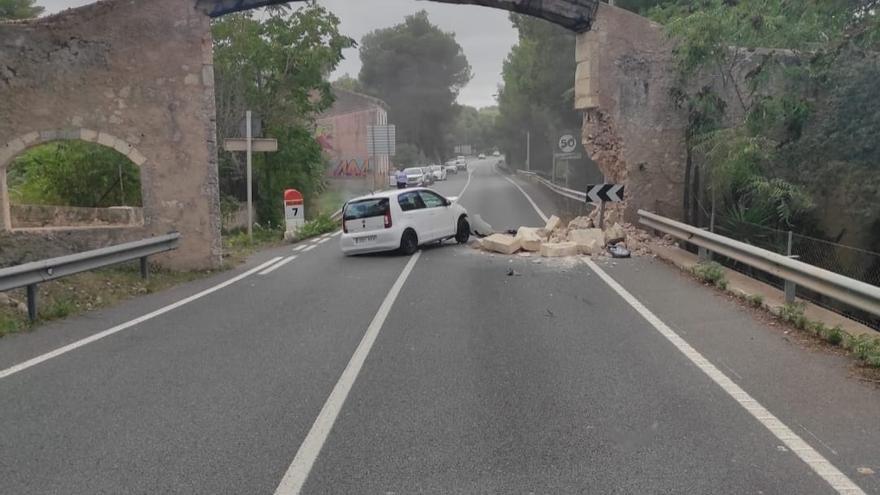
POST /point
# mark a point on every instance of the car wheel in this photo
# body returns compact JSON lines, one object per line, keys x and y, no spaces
{"x":463,"y":231}
{"x":409,"y":242}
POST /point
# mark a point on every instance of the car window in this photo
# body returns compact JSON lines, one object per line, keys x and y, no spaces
{"x":410,"y":201}
{"x":432,"y":200}
{"x":413,"y":170}
{"x":366,"y":208}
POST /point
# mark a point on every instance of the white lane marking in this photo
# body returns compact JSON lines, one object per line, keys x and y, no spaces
{"x":310,"y":247}
{"x":299,"y":248}
{"x":323,"y":240}
{"x":299,"y":469}
{"x":122,"y":326}
{"x":336,"y":233}
{"x":838,"y":481}
{"x":535,"y":206}
{"x":278,"y":265}
{"x":466,"y":184}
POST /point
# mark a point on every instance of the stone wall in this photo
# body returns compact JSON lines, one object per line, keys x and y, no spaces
{"x":22,"y":246}
{"x":39,"y":216}
{"x":631,"y":128}
{"x":136,"y":76}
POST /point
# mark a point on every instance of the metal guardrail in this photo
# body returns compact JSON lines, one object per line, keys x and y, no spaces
{"x":30,"y":274}
{"x":844,"y":289}
{"x":580,"y":196}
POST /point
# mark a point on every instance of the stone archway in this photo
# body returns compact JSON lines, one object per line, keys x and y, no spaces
{"x":20,"y":144}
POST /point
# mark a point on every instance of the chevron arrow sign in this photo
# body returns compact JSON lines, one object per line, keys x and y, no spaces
{"x":597,"y":193}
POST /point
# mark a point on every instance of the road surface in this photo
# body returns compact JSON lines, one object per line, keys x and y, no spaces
{"x":436,"y":373}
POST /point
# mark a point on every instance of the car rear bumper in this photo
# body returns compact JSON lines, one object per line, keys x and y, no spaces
{"x":386,"y":240}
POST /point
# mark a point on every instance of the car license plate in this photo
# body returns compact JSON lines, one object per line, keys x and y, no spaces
{"x":361,"y":240}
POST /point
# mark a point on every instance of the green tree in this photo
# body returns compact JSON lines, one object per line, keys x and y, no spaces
{"x":348,"y":83}
{"x":19,"y":9}
{"x":277,"y":68}
{"x":74,"y":173}
{"x":538,"y":91}
{"x":418,"y":70}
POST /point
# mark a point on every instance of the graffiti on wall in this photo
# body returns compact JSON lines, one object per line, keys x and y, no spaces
{"x":350,"y":167}
{"x":324,"y":136}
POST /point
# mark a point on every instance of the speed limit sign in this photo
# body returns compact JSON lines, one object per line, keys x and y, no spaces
{"x":567,"y":143}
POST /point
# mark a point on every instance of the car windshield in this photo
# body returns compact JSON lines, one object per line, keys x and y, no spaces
{"x":440,"y":246}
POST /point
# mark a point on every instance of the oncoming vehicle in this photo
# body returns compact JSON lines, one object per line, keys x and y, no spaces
{"x":438,"y":172}
{"x":450,"y":168}
{"x":497,"y":153}
{"x":401,"y":219}
{"x":460,"y":163}
{"x":415,"y":176}
{"x":481,"y":156}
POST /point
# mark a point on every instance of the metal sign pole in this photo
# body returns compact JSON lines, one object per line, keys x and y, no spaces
{"x":602,"y":215}
{"x":250,"y":189}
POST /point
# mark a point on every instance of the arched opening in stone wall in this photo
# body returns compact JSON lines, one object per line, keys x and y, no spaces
{"x":61,"y":181}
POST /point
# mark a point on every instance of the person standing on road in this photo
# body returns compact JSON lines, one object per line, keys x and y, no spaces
{"x":401,"y":178}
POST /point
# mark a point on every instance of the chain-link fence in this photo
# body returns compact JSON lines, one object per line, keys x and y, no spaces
{"x":852,"y":262}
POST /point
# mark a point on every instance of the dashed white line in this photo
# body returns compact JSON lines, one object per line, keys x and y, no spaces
{"x":299,"y":248}
{"x":336,"y":233}
{"x":299,"y":469}
{"x":309,"y":248}
{"x":123,"y":326}
{"x":323,"y":240}
{"x":821,"y":466}
{"x":278,"y":265}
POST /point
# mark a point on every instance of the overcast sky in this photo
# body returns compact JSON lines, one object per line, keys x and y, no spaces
{"x":485,"y":34}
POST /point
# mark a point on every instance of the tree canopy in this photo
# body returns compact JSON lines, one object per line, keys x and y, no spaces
{"x":417,"y":69}
{"x":19,"y":9}
{"x":276,"y":67}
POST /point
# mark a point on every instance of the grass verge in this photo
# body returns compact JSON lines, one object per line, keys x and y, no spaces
{"x":87,"y":291}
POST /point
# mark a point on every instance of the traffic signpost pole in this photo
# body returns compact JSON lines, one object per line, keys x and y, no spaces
{"x":250,"y":189}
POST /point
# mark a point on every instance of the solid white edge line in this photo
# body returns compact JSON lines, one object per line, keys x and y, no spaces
{"x":819,"y":464}
{"x":278,"y":265}
{"x":122,"y":326}
{"x":310,"y":247}
{"x":535,"y":206}
{"x":336,"y":233}
{"x":466,"y":184}
{"x":299,"y":248}
{"x":298,"y":472}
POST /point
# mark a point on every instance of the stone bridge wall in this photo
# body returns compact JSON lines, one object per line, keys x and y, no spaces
{"x":136,"y":76}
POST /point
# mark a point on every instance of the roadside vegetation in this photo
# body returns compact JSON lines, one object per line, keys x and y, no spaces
{"x":85,"y":292}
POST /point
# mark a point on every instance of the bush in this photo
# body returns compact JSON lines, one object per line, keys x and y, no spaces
{"x":755,"y":300}
{"x":711,"y":273}
{"x":319,"y":225}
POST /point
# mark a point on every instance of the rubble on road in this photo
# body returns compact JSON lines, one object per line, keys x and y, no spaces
{"x":500,"y":243}
{"x":580,"y":236}
{"x":530,"y":238}
{"x":558,"y":249}
{"x":480,"y":227}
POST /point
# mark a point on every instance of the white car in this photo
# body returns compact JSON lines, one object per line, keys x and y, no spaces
{"x":401,"y":219}
{"x":438,"y":171}
{"x":497,"y":153}
{"x":415,"y":176}
{"x":461,"y":163}
{"x":481,"y":156}
{"x":450,"y":168}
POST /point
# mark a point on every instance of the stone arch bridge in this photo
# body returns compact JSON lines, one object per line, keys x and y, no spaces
{"x":137,"y":76}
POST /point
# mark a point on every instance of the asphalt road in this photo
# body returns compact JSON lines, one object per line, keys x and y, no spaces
{"x":433,"y":374}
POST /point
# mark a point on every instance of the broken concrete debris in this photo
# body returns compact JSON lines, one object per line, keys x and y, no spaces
{"x":480,"y":227}
{"x":531,"y":238}
{"x":615,"y":234}
{"x":580,"y":223}
{"x":500,"y":243}
{"x":552,"y":224}
{"x":558,"y":249}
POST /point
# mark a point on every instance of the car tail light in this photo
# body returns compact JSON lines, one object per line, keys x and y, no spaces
{"x":344,"y":227}
{"x":388,"y":219}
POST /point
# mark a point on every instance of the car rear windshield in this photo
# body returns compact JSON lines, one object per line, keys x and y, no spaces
{"x":366,"y":208}
{"x":413,"y":170}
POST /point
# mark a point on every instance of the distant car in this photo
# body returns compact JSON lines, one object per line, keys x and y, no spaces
{"x":438,"y":171}
{"x":401,"y":219}
{"x":481,"y":156}
{"x":460,"y":163}
{"x":450,"y":168}
{"x":427,"y":176}
{"x":415,"y":176}
{"x":497,"y":153}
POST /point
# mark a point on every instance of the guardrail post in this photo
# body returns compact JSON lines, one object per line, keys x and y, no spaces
{"x":145,"y":268}
{"x":702,"y":253}
{"x":32,"y":301}
{"x":790,"y":287}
